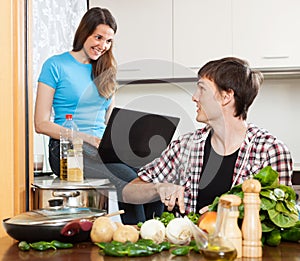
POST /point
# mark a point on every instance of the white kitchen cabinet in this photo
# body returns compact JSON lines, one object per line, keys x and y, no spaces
{"x":265,"y":32}
{"x":202,"y":32}
{"x":143,"y":43}
{"x":174,"y":38}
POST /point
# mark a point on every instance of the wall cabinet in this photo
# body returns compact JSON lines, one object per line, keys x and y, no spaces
{"x":143,"y":43}
{"x":202,"y":32}
{"x":266,"y":32}
{"x":174,"y":38}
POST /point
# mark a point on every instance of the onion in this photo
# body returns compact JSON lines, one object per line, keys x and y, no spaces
{"x":178,"y":231}
{"x":207,"y":221}
{"x":153,"y":229}
{"x":126,"y":233}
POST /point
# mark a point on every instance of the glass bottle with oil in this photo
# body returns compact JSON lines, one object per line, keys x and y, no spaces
{"x":219,"y":247}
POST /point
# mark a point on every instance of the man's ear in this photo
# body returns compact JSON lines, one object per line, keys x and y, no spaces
{"x":227,"y":97}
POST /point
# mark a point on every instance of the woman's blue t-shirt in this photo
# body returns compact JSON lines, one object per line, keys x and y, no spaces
{"x":75,"y":93}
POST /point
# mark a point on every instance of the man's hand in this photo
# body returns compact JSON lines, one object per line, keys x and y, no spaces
{"x":171,"y":194}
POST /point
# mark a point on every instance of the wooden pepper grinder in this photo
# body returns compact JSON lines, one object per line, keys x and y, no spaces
{"x":251,"y":226}
{"x":232,"y":231}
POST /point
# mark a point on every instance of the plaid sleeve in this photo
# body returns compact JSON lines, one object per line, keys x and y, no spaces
{"x":164,"y":167}
{"x":279,"y":158}
{"x":171,"y":164}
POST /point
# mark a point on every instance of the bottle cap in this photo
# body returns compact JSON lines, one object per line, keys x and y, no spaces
{"x":69,"y":116}
{"x":232,"y":200}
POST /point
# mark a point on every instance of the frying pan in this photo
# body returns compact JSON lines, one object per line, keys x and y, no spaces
{"x":64,"y":224}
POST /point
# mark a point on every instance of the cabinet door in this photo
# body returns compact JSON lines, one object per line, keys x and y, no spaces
{"x":202,"y":32}
{"x":265,"y":32}
{"x":143,"y":43}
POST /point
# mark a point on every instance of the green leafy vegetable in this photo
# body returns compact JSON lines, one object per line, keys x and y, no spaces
{"x":278,"y":205}
{"x":273,"y":238}
{"x":291,"y":234}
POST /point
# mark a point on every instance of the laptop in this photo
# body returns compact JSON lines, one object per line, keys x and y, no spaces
{"x":135,"y":138}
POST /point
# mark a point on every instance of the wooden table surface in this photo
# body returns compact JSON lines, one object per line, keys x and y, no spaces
{"x":87,"y":251}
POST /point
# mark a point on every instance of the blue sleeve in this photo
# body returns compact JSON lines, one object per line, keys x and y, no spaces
{"x":50,"y":73}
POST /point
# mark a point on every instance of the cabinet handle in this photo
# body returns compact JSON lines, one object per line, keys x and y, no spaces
{"x":276,"y":57}
{"x":129,"y":70}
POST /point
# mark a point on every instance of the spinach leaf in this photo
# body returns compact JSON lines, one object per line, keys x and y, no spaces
{"x":290,"y":193}
{"x":267,"y":227}
{"x":282,"y":220}
{"x":267,"y":203}
{"x":268,"y":194}
{"x":278,"y":209}
{"x":267,"y":177}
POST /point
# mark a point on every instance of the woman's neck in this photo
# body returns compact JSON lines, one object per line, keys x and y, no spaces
{"x":80,"y":56}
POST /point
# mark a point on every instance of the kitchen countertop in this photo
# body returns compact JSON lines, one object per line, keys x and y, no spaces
{"x":87,"y":251}
{"x":54,"y":182}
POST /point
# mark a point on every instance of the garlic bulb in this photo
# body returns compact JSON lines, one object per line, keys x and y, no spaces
{"x":178,"y":231}
{"x":153,"y":229}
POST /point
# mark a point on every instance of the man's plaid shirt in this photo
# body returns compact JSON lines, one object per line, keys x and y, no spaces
{"x":181,"y":163}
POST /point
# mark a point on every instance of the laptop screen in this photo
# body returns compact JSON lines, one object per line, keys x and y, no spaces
{"x":135,"y":137}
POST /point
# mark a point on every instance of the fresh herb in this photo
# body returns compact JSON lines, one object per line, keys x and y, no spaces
{"x":278,"y":209}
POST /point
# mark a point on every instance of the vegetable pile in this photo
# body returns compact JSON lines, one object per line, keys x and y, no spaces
{"x":166,"y":232}
{"x":278,"y":212}
{"x":144,"y":247}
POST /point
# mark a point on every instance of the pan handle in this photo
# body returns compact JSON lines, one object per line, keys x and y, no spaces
{"x":74,"y":227}
{"x":66,"y":194}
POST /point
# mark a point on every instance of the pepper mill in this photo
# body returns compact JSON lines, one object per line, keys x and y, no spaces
{"x":232,"y":231}
{"x":251,"y":226}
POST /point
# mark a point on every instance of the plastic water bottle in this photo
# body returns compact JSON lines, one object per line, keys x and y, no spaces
{"x":71,"y":160}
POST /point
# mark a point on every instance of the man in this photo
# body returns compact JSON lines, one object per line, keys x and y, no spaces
{"x":206,"y":163}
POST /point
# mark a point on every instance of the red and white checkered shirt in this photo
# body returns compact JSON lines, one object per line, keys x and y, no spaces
{"x":181,"y":163}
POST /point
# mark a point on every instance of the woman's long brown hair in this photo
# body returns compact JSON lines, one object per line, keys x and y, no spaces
{"x":104,"y":69}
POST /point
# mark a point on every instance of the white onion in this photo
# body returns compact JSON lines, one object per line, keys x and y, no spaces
{"x":178,"y":231}
{"x":153,"y":229}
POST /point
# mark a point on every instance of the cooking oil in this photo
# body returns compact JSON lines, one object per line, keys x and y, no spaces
{"x":75,"y":165}
{"x":75,"y":174}
{"x":63,"y":169}
{"x":219,"y":253}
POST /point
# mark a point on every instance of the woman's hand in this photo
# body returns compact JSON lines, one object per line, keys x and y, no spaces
{"x":171,"y":194}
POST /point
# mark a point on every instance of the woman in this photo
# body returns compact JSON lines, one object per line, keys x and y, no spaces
{"x":206,"y":163}
{"x":82,"y":82}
